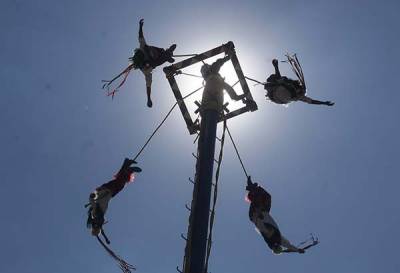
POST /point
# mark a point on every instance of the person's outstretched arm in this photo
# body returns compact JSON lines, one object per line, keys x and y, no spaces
{"x":223,"y":60}
{"x":289,"y":247}
{"x":316,"y":102}
{"x":142,"y":41}
{"x":216,"y":66}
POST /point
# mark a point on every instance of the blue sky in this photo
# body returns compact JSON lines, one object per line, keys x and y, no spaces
{"x":331,"y":171}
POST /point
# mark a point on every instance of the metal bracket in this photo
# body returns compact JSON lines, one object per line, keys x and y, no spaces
{"x":195,"y":156}
{"x":198,"y":107}
{"x":225,"y":107}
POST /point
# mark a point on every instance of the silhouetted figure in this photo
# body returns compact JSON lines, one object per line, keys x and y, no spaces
{"x":215,"y":84}
{"x":99,"y":199}
{"x":282,"y":90}
{"x":259,"y":214}
{"x":147,"y":57}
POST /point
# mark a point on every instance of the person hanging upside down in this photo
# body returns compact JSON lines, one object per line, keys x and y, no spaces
{"x":260,"y":205}
{"x":282,"y":90}
{"x":99,"y":199}
{"x":146,"y":58}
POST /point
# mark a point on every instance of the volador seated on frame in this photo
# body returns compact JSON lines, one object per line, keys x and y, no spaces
{"x":213,"y":96}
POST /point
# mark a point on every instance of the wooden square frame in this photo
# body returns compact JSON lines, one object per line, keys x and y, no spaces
{"x":173,"y":70}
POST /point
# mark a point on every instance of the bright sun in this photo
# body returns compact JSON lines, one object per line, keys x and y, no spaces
{"x":188,"y":83}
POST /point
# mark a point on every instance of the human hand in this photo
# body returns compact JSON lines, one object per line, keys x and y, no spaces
{"x":301,"y":251}
{"x":329,"y":103}
{"x":141,"y":22}
{"x":249,"y":180}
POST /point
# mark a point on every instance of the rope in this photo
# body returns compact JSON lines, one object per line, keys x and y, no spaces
{"x":250,"y":79}
{"x":185,"y":55}
{"x":107,"y":83}
{"x":162,"y":122}
{"x":124,"y":266}
{"x":155,"y":131}
{"x":296,"y":67}
{"x":191,"y":93}
{"x":192,"y":75}
{"x":237,"y":152}
{"x":215,"y":196}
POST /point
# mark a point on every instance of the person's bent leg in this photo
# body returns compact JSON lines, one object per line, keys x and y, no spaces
{"x":275,"y":64}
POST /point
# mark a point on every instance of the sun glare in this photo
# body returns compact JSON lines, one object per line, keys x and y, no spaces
{"x":250,"y":66}
{"x":189,"y":83}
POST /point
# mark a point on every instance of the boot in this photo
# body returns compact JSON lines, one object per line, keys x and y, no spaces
{"x":170,"y":52}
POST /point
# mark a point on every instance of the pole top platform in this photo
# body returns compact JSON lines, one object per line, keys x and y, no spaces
{"x":229,"y":50}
